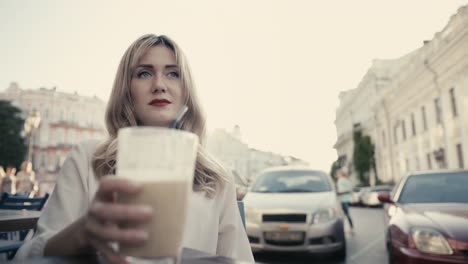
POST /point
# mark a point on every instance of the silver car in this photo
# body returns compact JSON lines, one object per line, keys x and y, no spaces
{"x":294,"y":209}
{"x":356,"y":195}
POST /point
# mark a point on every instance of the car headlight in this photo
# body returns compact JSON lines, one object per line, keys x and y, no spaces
{"x":429,"y":240}
{"x":324,"y":215}
{"x":252,"y":215}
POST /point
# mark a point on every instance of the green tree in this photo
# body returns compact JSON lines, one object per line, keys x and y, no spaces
{"x":334,"y":167}
{"x":12,"y":147}
{"x":363,"y":156}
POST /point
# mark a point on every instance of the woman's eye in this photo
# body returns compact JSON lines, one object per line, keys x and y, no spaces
{"x":173,"y":74}
{"x":144,"y":74}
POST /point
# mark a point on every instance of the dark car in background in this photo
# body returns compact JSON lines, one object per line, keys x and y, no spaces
{"x":291,"y":209}
{"x":370,"y":196}
{"x":427,"y":218}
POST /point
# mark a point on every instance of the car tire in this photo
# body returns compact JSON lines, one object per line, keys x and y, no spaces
{"x":391,"y":258}
{"x":341,"y":254}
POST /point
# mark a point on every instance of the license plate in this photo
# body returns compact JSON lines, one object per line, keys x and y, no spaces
{"x":284,"y":236}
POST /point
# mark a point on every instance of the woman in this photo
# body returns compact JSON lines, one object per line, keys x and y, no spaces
{"x":2,"y":174}
{"x":9,"y":181}
{"x":345,"y":189}
{"x":152,"y":84}
{"x":26,"y":184}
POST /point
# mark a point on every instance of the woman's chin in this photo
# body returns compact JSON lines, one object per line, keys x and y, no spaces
{"x":158,"y":123}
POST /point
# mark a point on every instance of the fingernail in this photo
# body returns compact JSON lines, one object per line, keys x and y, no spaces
{"x":96,"y":207}
{"x":146,"y":209}
{"x":126,"y":260}
{"x":142,"y":235}
{"x":135,"y":184}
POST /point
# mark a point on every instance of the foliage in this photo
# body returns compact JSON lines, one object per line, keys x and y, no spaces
{"x":363,"y":156}
{"x":334,"y":167}
{"x":12,"y":147}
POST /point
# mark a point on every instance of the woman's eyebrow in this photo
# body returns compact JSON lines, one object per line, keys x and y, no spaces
{"x":145,"y":66}
{"x":169,"y":66}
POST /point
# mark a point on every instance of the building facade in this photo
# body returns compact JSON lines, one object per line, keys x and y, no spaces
{"x":417,"y":116}
{"x":357,"y":111}
{"x":66,"y":119}
{"x":241,"y":160}
{"x":231,"y":152}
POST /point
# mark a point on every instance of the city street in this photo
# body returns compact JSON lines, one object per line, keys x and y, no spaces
{"x":229,"y":127}
{"x":366,"y":246}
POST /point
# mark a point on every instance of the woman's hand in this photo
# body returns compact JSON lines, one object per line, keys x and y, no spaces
{"x":103,"y":222}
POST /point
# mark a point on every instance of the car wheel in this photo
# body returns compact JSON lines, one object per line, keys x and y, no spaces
{"x":391,"y":258}
{"x":341,"y":254}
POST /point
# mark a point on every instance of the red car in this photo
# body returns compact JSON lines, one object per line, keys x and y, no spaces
{"x":427,"y":218}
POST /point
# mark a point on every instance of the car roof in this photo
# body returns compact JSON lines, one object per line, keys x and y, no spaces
{"x":290,"y":168}
{"x":431,"y":172}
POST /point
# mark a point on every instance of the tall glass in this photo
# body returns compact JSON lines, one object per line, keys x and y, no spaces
{"x":163,"y":160}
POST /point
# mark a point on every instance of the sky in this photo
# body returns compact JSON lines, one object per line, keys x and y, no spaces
{"x":275,"y":68}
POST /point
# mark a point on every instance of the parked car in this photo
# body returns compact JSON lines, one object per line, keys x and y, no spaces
{"x":427,"y":218}
{"x":356,"y":196}
{"x":294,"y":209}
{"x":370,"y":196}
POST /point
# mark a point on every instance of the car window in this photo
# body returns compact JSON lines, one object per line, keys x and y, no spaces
{"x":364,"y":190}
{"x":382,"y":188}
{"x":436,"y":188}
{"x":397,"y":186}
{"x":292,"y":181}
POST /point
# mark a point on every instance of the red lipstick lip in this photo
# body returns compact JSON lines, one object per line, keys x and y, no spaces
{"x":159,"y":102}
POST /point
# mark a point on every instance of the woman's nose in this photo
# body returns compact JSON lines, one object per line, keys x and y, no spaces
{"x":159,"y":85}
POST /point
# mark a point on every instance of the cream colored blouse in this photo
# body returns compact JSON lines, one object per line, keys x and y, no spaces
{"x":213,"y":225}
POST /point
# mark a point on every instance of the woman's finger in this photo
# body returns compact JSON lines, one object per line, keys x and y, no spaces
{"x":107,"y":252}
{"x":108,"y":212}
{"x":113,"y":233}
{"x":108,"y":185}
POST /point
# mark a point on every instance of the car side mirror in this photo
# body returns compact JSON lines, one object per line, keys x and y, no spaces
{"x":385,"y":198}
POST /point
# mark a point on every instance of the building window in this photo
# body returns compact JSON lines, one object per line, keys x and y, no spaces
{"x":403,"y":128}
{"x":429,"y":162}
{"x":395,"y":134}
{"x":454,"y":102}
{"x":460,"y":156}
{"x":424,"y":118}
{"x":438,"y":110}
{"x":413,"y":125}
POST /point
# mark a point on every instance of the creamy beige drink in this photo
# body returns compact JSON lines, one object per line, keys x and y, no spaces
{"x":163,"y":160}
{"x":169,"y":201}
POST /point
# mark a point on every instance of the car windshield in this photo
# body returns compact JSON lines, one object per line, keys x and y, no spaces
{"x":381,"y":188}
{"x":436,"y":188}
{"x":357,"y":189}
{"x":292,"y":182}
